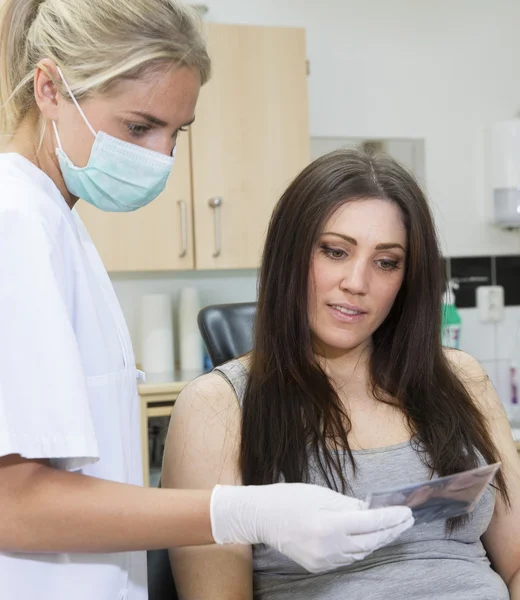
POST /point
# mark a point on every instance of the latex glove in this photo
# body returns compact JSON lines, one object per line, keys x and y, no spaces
{"x":316,"y":527}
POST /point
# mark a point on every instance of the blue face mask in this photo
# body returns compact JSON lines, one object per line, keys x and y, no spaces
{"x":119,"y":176}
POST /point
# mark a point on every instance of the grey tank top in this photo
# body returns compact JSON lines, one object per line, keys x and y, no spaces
{"x":423,"y":564}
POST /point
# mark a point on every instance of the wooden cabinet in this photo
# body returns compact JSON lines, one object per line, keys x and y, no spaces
{"x":250,"y":138}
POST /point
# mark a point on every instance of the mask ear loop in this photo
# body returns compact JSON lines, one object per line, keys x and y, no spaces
{"x":56,"y":135}
{"x":75,"y":103}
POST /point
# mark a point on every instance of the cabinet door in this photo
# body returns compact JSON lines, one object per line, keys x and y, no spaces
{"x":154,"y":238}
{"x":250,"y":138}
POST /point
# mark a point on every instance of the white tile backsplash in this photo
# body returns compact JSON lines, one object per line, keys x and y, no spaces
{"x":507,"y":331}
{"x":493,"y":345}
{"x":491,"y":370}
{"x":476,"y":338}
{"x":502,"y":382}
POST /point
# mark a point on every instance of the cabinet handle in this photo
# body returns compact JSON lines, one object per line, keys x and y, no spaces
{"x":215,"y":203}
{"x":184,"y":229}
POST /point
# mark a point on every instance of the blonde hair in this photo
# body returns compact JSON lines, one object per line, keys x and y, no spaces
{"x":94,"y":42}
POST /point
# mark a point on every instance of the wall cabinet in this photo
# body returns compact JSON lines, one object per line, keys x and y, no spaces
{"x":250,"y":138}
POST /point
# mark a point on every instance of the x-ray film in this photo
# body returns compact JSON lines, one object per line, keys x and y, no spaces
{"x":439,"y":498}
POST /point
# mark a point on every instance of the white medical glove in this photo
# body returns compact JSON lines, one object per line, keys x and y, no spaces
{"x":316,"y":527}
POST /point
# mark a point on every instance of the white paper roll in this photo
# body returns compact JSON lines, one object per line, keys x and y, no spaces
{"x":157,"y":334}
{"x":190,"y":341}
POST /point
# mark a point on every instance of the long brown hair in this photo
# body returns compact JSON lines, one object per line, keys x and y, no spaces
{"x":291,"y":411}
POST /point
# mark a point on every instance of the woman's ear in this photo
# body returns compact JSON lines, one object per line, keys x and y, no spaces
{"x":45,"y":89}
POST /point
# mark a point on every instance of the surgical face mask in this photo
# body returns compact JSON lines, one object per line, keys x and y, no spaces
{"x":119,"y":176}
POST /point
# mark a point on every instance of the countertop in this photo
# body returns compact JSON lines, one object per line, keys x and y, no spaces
{"x":166,"y":383}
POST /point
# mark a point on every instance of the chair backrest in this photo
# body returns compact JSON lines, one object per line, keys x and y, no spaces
{"x":227,"y":330}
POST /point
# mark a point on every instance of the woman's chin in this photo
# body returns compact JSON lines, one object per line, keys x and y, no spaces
{"x":335,"y":345}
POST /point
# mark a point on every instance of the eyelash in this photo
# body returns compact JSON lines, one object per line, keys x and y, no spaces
{"x":329,"y":253}
{"x":137,"y":130}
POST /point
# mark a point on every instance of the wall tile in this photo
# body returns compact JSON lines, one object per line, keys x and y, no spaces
{"x":446,"y":268}
{"x":490,"y":367}
{"x":471,"y":272}
{"x":507,"y":331}
{"x":501,"y":383}
{"x":477,"y":339}
{"x":508,"y":276}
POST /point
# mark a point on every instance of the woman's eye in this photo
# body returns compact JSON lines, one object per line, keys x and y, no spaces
{"x":334,"y":253}
{"x":137,"y":130}
{"x":388,"y":265}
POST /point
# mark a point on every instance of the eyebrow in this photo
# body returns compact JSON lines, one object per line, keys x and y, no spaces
{"x":155,"y":121}
{"x":351,"y":240}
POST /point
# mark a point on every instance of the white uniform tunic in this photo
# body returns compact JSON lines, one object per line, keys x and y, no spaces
{"x":68,"y":389}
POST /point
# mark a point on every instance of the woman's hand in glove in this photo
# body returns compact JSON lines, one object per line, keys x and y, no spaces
{"x":316,"y":527}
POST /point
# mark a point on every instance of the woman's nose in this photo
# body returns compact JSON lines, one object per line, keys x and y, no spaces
{"x":355,"y":278}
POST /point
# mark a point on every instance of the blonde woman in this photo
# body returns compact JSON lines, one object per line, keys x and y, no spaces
{"x":93,"y":96}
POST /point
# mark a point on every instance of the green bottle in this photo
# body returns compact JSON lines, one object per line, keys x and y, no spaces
{"x":451,"y":321}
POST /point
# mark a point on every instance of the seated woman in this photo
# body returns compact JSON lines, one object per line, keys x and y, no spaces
{"x":348,"y":386}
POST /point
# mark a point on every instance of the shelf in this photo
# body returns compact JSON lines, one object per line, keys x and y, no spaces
{"x":158,"y":394}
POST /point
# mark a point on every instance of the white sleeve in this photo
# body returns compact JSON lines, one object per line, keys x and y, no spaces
{"x":44,"y":407}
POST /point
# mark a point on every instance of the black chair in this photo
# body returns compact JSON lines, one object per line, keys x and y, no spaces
{"x":227,"y":331}
{"x":160,"y":579}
